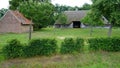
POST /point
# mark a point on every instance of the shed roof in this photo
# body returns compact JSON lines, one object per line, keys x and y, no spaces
{"x":19,"y":16}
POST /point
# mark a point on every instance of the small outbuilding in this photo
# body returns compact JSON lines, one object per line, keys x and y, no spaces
{"x":73,"y":19}
{"x":15,"y":22}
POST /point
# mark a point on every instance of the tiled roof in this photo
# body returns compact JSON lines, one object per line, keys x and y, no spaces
{"x":20,"y":17}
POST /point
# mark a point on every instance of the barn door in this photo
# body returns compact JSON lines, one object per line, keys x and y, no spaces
{"x":76,"y":24}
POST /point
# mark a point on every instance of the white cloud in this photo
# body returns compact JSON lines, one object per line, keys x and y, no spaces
{"x":71,"y":2}
{"x":4,"y":4}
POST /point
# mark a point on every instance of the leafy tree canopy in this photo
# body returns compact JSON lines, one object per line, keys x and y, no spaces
{"x":2,"y":12}
{"x":108,"y":8}
{"x":93,"y":18}
{"x":86,"y":6}
{"x":40,"y":13}
{"x":14,"y":4}
{"x":62,"y":8}
{"x":62,"y":18}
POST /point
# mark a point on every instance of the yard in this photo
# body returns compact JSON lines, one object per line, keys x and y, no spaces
{"x":85,"y":59}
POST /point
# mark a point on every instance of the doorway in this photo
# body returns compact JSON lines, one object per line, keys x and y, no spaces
{"x":76,"y":24}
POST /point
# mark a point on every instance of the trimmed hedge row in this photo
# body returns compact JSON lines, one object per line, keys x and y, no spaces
{"x":69,"y":45}
{"x":47,"y":47}
{"x":105,"y":44}
{"x":13,"y":50}
{"x":38,"y":47}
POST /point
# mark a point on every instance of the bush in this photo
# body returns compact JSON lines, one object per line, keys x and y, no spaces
{"x":79,"y":43}
{"x":71,"y":46}
{"x":106,"y":44}
{"x":40,"y":47}
{"x":93,"y":44}
{"x":13,"y":49}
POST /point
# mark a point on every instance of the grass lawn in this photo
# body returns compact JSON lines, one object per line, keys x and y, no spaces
{"x":82,"y":60}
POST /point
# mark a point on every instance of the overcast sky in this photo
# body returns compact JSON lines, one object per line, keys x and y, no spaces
{"x":79,"y":3}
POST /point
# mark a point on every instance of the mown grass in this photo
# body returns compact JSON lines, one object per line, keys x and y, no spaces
{"x":82,"y":60}
{"x":59,"y":33}
{"x":85,"y":59}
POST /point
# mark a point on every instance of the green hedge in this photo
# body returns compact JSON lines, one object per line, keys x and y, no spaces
{"x":37,"y":47}
{"x":69,"y":45}
{"x":46,"y":47}
{"x":40,"y":47}
{"x":105,"y":44}
{"x":13,"y":49}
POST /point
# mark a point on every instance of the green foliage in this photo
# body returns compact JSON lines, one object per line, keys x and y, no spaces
{"x":62,"y":18}
{"x":40,"y":47}
{"x":109,"y":9}
{"x":105,"y":44}
{"x":2,"y":12}
{"x":93,"y":18}
{"x":67,"y":46}
{"x":79,"y":43}
{"x":86,"y":6}
{"x":62,"y":8}
{"x":14,"y":4}
{"x":37,"y":47}
{"x":13,"y":49}
{"x":71,"y":46}
{"x":40,"y":13}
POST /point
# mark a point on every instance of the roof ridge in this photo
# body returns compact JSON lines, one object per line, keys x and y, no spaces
{"x":21,"y":17}
{"x":14,"y":15}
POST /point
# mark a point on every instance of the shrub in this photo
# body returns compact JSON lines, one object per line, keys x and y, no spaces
{"x":79,"y":43}
{"x":93,"y":44}
{"x":71,"y":46}
{"x":13,"y":49}
{"x":106,"y":44}
{"x":40,"y":47}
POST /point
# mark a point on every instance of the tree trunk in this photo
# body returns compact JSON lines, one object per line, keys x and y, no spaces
{"x":110,"y":31}
{"x":91,"y":30}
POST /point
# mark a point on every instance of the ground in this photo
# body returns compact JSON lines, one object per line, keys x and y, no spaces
{"x":84,"y":59}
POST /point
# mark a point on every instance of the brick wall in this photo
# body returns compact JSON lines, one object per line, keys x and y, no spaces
{"x":10,"y":23}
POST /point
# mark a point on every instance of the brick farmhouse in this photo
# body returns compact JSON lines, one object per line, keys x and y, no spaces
{"x":15,"y":22}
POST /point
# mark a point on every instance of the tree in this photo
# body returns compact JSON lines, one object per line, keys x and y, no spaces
{"x":42,"y":0}
{"x":14,"y":4}
{"x":2,"y":12}
{"x":93,"y":18}
{"x":62,"y":8}
{"x":86,"y":6}
{"x":40,"y":13}
{"x":110,"y":9}
{"x":62,"y":19}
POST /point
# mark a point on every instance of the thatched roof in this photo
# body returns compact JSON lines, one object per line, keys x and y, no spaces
{"x":73,"y":16}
